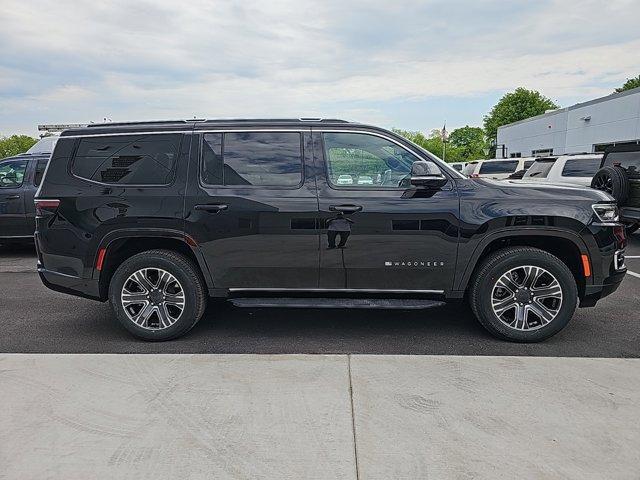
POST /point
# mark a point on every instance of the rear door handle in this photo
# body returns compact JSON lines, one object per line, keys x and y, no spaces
{"x":212,"y":208}
{"x":345,"y":208}
{"x":12,"y":197}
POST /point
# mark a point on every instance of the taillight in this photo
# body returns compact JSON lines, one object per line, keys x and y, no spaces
{"x":44,"y":207}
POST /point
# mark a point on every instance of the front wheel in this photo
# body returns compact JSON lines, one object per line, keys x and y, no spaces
{"x":523,"y":294}
{"x":157,"y":295}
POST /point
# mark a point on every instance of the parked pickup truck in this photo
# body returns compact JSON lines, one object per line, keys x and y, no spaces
{"x":20,"y":177}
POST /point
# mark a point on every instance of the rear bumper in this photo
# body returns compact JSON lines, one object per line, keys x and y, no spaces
{"x":80,"y":287}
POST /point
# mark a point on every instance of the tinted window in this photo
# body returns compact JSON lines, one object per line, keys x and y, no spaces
{"x":539,"y":169}
{"x":581,"y":168}
{"x":128,"y":159}
{"x":499,"y":167}
{"x":40,"y":168}
{"x":528,"y":163}
{"x":252,"y":158}
{"x":630,"y":161}
{"x":12,"y":173}
{"x":368,"y":161}
{"x":457,"y":166}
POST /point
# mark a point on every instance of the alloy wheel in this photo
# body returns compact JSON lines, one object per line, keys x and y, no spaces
{"x":153,"y":298}
{"x":526,"y":298}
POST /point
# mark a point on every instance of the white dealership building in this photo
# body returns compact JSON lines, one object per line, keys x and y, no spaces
{"x":585,"y":127}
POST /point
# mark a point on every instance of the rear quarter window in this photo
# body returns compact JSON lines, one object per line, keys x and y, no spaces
{"x":128,"y":159}
{"x":539,"y":169}
{"x":499,"y":167}
{"x":581,"y":167}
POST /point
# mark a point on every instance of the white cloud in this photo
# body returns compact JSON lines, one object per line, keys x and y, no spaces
{"x":133,"y":59}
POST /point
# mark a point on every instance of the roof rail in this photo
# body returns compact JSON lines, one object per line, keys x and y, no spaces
{"x":149,"y":122}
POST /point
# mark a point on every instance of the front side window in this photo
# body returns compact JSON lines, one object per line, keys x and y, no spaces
{"x":128,"y":159}
{"x":507,"y":166}
{"x":12,"y":173}
{"x":361,"y":160}
{"x":581,"y":168}
{"x":252,"y":158}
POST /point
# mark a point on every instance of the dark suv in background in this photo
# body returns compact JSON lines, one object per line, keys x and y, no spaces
{"x":619,"y":176}
{"x":157,"y":217}
{"x":20,"y":177}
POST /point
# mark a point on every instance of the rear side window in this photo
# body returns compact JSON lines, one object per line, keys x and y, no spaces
{"x":539,"y":169}
{"x":252,"y":158}
{"x":499,"y":167}
{"x":581,"y":168}
{"x":630,"y":161}
{"x":128,"y":159}
{"x":528,"y":163}
{"x":40,"y":168}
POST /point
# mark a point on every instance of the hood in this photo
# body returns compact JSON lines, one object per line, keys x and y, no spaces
{"x":546,"y":190}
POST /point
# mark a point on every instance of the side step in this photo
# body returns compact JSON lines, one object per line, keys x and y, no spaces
{"x":386,"y":303}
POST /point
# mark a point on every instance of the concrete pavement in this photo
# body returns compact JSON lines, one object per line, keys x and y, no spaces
{"x":312,"y":417}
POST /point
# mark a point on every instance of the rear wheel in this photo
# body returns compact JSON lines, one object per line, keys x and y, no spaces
{"x":157,"y":295}
{"x":523,"y":294}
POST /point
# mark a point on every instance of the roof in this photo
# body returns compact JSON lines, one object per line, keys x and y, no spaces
{"x":180,"y":125}
{"x":595,"y":101}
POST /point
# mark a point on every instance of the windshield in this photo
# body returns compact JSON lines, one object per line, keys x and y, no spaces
{"x":540,"y":169}
{"x":44,"y":145}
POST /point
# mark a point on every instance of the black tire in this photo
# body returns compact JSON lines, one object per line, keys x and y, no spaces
{"x":614,"y":181}
{"x":505,"y":260}
{"x":187,"y":274}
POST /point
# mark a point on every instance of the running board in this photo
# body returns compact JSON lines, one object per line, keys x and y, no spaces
{"x":385,"y":303}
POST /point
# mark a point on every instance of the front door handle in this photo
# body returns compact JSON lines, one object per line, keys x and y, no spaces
{"x":345,"y":208}
{"x":212,"y":208}
{"x":12,"y":197}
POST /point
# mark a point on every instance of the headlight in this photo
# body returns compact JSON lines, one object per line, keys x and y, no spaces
{"x":606,"y":212}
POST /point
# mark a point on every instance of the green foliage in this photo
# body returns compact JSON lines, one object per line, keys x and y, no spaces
{"x":470,"y":141}
{"x":15,"y":144}
{"x":629,"y":84}
{"x":515,"y":106}
{"x":465,"y":144}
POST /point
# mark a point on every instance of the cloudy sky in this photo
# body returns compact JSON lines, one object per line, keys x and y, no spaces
{"x":406,"y":64}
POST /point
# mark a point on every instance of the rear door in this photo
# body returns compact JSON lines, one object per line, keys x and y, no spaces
{"x":378,"y":232}
{"x":252,"y":207}
{"x":13,"y":176}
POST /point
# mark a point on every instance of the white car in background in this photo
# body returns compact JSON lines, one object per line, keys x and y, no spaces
{"x":576,"y":169}
{"x":498,"y":169}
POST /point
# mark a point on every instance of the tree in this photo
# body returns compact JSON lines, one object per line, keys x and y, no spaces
{"x":515,"y":106}
{"x":470,"y":141}
{"x":15,"y":144}
{"x":629,"y":84}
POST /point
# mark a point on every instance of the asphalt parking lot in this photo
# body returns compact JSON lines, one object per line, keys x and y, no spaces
{"x":37,"y":320}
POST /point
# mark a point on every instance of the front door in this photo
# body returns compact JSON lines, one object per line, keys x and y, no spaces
{"x":379,"y":233}
{"x":252,"y":208}
{"x":13,"y":220}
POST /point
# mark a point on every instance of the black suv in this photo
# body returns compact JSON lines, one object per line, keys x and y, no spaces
{"x":157,"y":217}
{"x":619,"y":175}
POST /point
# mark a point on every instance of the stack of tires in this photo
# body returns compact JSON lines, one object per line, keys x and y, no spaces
{"x":615,"y":182}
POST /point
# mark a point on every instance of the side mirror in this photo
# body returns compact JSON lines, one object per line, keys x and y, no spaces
{"x":427,"y":175}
